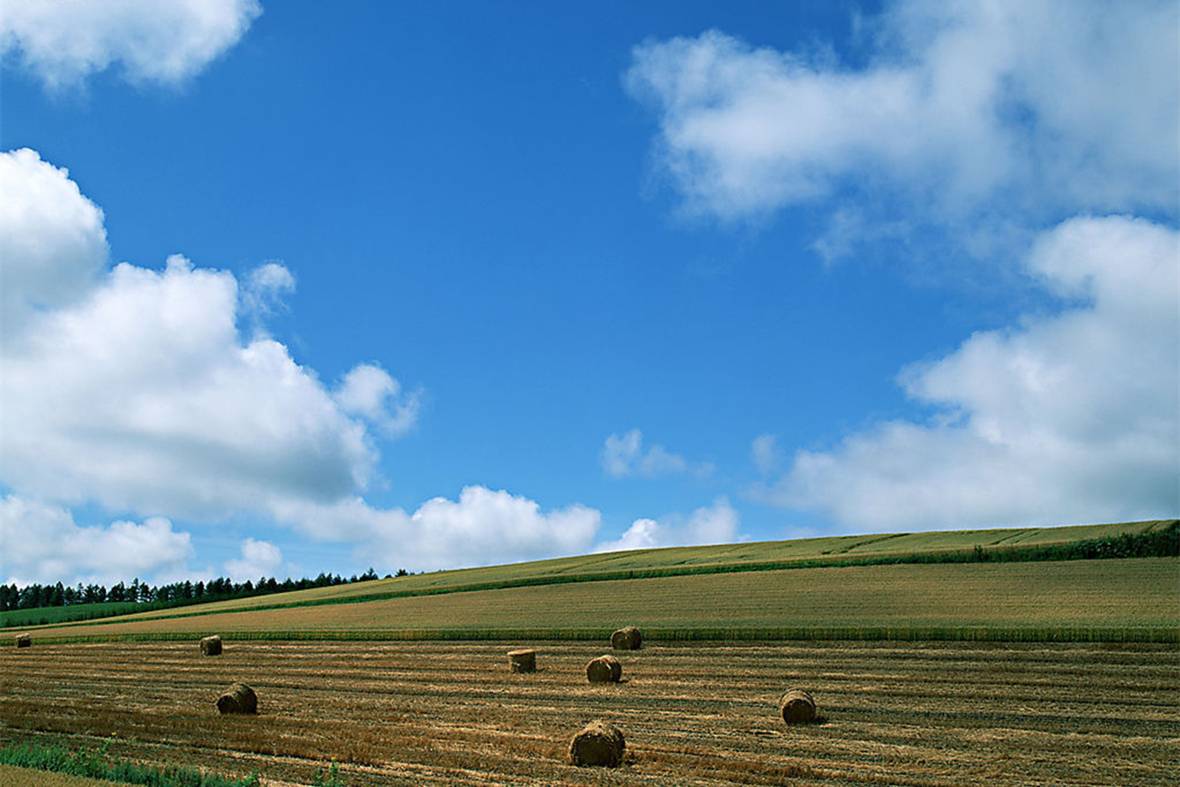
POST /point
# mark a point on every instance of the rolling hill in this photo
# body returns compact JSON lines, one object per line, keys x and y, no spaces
{"x":981,"y":584}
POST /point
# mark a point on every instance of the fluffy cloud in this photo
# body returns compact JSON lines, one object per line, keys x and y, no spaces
{"x":142,"y":397}
{"x":139,"y":392}
{"x":42,"y":543}
{"x":65,"y":41}
{"x":482,"y":527}
{"x":258,"y":559}
{"x":1062,"y":105}
{"x":52,"y":240}
{"x":624,"y":456}
{"x":369,"y":392}
{"x":715,"y":524}
{"x":1073,"y":416}
{"x":264,"y":290}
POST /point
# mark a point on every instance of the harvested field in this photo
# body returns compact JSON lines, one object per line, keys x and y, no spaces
{"x":404,"y":712}
{"x":955,"y":601}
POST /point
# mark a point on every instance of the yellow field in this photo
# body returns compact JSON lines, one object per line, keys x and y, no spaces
{"x":1027,"y":597}
{"x":684,"y":559}
{"x":414,"y":712}
{"x":427,"y":712}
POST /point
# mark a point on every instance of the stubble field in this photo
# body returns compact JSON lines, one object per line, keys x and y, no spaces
{"x":406,"y":712}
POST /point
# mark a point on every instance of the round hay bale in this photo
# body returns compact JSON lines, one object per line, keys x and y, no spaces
{"x":604,"y":669}
{"x":598,"y":743}
{"x":797,"y":707}
{"x":627,"y":638}
{"x":238,"y":698}
{"x":522,"y":660}
{"x":211,"y":646}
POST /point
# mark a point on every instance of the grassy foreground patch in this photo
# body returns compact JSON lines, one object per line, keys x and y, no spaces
{"x":12,"y":776}
{"x":96,"y":764}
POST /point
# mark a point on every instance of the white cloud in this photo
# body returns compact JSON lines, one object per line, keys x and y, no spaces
{"x":139,"y":393}
{"x":1061,"y":106}
{"x":52,"y":240}
{"x":258,"y":559}
{"x":624,"y":455}
{"x":265,"y":288}
{"x":1073,"y":416}
{"x":42,"y":543}
{"x":142,"y":397}
{"x":65,"y":41}
{"x":483,"y":527}
{"x":850,"y":230}
{"x":488,"y":527}
{"x":765,"y":452}
{"x":715,"y":524}
{"x":369,"y":392}
{"x":272,"y":277}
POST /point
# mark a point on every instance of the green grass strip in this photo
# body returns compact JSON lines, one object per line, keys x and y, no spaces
{"x":46,"y":616}
{"x":98,"y":765}
{"x":901,"y":633}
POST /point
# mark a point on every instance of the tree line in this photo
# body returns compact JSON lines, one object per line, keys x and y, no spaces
{"x":36,"y":595}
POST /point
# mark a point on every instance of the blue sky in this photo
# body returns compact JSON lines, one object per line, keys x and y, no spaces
{"x":803,"y":223}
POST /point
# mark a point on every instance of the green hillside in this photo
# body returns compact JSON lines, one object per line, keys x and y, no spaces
{"x":1135,"y":599}
{"x":780,"y":563}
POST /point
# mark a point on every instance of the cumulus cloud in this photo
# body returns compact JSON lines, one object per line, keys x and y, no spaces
{"x":624,"y":456}
{"x":369,"y":392}
{"x":1063,"y":106}
{"x":715,"y":524}
{"x":482,"y":527}
{"x":139,"y":393}
{"x":1072,"y":416}
{"x":42,"y":543}
{"x":142,"y":397}
{"x":258,"y":559}
{"x":65,"y":41}
{"x":486,"y":527}
{"x":52,"y":240}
